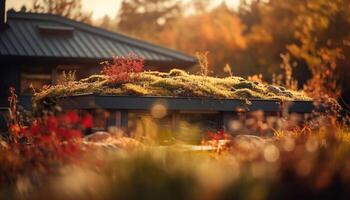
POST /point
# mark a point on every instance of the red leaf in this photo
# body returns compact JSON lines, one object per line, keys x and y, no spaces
{"x":87,"y":121}
{"x":73,"y":117}
{"x":52,"y":124}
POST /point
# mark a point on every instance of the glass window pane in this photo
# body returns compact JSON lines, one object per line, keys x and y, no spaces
{"x":148,"y":129}
{"x":36,"y":81}
{"x":193,"y":127}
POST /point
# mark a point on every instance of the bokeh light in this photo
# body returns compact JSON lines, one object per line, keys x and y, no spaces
{"x":271,"y":153}
{"x":159,"y":110}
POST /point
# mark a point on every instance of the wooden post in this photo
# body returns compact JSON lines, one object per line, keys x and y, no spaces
{"x":54,"y":76}
{"x":124,"y":119}
{"x":175,"y":121}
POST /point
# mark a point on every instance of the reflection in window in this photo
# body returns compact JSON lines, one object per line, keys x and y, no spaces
{"x":34,"y":78}
{"x":192,"y":127}
{"x":189,"y":127}
{"x":33,"y":81}
{"x":100,"y":119}
{"x":148,"y":129}
{"x":65,"y":73}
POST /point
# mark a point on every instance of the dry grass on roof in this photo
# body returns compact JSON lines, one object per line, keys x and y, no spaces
{"x":175,"y":83}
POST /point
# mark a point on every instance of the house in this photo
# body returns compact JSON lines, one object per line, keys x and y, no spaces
{"x":36,"y":48}
{"x":185,"y":118}
{"x":178,"y":104}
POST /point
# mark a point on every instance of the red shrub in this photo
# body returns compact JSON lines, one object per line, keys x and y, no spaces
{"x":62,"y":127}
{"x":119,"y":68}
{"x":219,"y":135}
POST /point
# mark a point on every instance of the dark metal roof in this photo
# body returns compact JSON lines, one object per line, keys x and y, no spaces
{"x":181,"y":103}
{"x":27,"y":35}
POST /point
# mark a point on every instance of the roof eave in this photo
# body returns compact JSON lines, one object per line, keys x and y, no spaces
{"x":176,"y":55}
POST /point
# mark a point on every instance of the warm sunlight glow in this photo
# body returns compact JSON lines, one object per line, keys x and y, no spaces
{"x":101,"y":8}
{"x":175,"y":99}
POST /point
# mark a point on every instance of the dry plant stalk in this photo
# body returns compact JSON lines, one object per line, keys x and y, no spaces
{"x":68,"y":78}
{"x":256,"y":78}
{"x":203,"y":62}
{"x":323,"y":82}
{"x":277,"y":79}
{"x":289,"y":81}
{"x":286,"y":78}
{"x":228,"y":70}
{"x":14,"y":126}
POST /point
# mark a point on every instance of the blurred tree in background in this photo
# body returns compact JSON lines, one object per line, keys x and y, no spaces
{"x":309,"y":39}
{"x":218,"y":31}
{"x":107,"y":23}
{"x":313,"y":32}
{"x":67,"y":8}
{"x":321,"y":28}
{"x":268,"y":31}
{"x":143,"y":18}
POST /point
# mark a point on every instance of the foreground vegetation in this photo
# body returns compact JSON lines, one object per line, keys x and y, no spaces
{"x":50,"y":159}
{"x":303,"y":163}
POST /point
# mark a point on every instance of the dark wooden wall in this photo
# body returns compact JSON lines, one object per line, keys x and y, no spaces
{"x":9,"y":77}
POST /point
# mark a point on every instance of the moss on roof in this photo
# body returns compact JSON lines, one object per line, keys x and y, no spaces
{"x":175,"y":83}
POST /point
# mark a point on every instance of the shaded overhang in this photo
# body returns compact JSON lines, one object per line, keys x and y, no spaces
{"x":182,"y":103}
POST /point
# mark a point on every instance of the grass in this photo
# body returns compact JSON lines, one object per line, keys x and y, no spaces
{"x":174,"y":83}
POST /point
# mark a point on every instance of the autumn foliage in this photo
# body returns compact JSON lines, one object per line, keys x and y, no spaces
{"x":119,"y":69}
{"x":308,"y":160}
{"x":40,"y":143}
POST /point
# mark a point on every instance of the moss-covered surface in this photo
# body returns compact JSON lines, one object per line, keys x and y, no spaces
{"x":174,"y":83}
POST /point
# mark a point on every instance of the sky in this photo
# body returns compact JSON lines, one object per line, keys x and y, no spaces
{"x":100,"y":7}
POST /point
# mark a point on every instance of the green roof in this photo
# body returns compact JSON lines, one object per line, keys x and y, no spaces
{"x":176,"y":83}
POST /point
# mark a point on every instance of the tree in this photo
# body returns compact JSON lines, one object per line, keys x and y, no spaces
{"x":67,"y":8}
{"x":269,"y":29}
{"x":218,"y":31}
{"x":107,"y":23}
{"x":312,"y":32}
{"x":142,"y":18}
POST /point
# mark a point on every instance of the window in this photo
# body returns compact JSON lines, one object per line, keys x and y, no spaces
{"x":34,"y":79}
{"x":190,"y":127}
{"x":64,"y":73}
{"x":75,"y":72}
{"x":193,"y":126}
{"x":103,"y":119}
{"x":143,"y":126}
{"x":100,"y":117}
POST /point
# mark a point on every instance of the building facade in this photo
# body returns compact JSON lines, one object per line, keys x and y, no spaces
{"x":35,"y":49}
